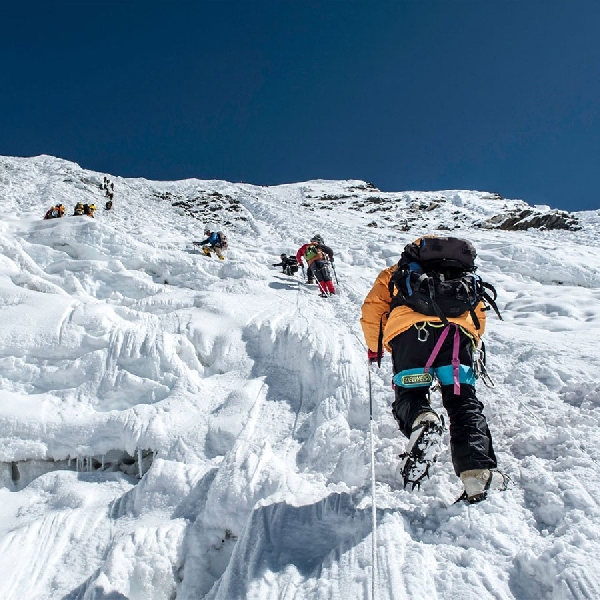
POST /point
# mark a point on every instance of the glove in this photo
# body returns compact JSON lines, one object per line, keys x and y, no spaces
{"x":331,"y":260}
{"x":373,"y":356}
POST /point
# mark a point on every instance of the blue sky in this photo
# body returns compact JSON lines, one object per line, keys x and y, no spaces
{"x":488,"y":95}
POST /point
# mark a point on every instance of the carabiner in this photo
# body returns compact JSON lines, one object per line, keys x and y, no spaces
{"x":422,"y":332}
{"x":481,"y":371}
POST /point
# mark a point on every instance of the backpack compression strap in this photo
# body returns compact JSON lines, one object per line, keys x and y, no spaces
{"x":491,"y":300}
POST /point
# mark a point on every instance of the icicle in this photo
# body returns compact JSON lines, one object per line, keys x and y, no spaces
{"x":14,"y":472}
{"x":139,"y":457}
{"x":103,"y":464}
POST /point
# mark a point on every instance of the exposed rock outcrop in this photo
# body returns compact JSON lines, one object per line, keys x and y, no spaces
{"x":531,"y":219}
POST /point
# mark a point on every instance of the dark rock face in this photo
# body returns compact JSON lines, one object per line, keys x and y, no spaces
{"x":529,"y":218}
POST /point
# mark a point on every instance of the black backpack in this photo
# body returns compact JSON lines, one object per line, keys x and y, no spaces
{"x":291,"y":265}
{"x":436,"y":277}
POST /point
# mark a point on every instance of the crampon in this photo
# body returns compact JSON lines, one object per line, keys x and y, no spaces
{"x":424,"y":447}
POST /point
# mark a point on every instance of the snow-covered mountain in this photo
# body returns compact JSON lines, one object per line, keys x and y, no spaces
{"x":174,"y":426}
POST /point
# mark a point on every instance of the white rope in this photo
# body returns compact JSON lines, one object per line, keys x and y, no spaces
{"x":373,"y":502}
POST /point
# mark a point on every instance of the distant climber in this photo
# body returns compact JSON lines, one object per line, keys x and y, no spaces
{"x":317,"y":256}
{"x":55,"y":212}
{"x":213,"y":242}
{"x":288,"y":264}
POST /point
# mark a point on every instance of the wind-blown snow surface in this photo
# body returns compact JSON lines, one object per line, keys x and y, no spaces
{"x":242,"y":398}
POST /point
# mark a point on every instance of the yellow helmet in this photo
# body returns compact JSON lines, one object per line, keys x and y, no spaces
{"x":92,"y":207}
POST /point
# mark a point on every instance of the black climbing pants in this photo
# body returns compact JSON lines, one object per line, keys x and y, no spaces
{"x":470,"y":439}
{"x":321,"y":270}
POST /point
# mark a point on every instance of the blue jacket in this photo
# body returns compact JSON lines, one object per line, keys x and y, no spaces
{"x":212,"y":239}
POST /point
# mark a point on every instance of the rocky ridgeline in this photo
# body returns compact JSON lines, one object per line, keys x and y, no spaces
{"x":532,"y":219}
{"x":443,"y":210}
{"x":417,"y":209}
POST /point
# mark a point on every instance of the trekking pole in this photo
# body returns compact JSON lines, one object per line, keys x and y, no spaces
{"x":334,"y":273}
{"x":373,"y":503}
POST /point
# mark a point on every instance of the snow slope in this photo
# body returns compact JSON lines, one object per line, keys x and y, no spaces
{"x":173,"y":426}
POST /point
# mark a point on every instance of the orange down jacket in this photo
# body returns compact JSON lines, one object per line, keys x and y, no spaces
{"x":377,"y":305}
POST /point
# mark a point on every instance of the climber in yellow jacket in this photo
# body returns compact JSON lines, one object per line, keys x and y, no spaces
{"x":433,"y":337}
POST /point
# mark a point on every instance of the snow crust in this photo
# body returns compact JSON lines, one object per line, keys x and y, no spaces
{"x":241,"y":399}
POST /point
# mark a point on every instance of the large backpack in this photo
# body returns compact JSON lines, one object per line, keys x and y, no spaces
{"x":291,"y":265}
{"x":436,"y":277}
{"x":222,"y":240}
{"x":313,"y":252}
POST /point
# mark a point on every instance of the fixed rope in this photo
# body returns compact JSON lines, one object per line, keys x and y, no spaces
{"x":373,"y":502}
